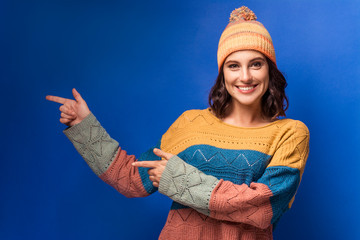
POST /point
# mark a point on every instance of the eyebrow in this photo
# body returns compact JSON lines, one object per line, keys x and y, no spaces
{"x":258,"y":58}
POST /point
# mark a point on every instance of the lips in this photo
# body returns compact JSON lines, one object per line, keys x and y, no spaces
{"x":246,"y":89}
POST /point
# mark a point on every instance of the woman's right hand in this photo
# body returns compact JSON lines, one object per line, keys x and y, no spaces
{"x":72,"y":111}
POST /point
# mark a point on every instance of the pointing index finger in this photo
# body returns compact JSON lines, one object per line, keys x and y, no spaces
{"x":56,"y":99}
{"x":146,"y":164}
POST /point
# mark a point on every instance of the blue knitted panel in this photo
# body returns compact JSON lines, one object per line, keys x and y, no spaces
{"x":283,"y":183}
{"x":147,"y":156}
{"x":237,"y":166}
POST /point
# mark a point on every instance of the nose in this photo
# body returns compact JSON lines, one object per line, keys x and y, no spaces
{"x":245,"y":75}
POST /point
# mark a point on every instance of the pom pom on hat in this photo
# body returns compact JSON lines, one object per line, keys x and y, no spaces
{"x":242,"y":13}
{"x":244,"y":33}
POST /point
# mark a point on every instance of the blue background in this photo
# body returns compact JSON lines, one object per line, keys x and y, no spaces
{"x":139,"y":65}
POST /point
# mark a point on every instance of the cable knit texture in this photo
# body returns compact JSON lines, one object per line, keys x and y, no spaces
{"x":124,"y":177}
{"x":187,"y":185}
{"x":93,"y":143}
{"x":227,"y":182}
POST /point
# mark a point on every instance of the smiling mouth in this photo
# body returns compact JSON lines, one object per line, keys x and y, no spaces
{"x":247,"y":88}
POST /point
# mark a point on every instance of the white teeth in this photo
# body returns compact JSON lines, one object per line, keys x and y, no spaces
{"x":245,"y":88}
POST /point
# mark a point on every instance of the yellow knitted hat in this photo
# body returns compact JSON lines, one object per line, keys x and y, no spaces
{"x":244,"y":33}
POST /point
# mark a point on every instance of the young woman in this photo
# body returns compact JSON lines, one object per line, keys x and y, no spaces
{"x":231,"y":170}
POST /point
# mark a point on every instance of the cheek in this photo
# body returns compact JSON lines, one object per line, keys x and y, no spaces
{"x":227,"y":82}
{"x":230,"y":78}
{"x":265,"y":79}
{"x":229,"y":85}
{"x":267,"y":83}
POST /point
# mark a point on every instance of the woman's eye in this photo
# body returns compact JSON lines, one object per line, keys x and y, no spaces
{"x":256,"y":65}
{"x":233,"y":66}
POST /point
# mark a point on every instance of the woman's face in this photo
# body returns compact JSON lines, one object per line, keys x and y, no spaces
{"x":246,"y":75}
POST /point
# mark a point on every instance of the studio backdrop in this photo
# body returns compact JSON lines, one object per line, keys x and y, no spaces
{"x":139,"y":65}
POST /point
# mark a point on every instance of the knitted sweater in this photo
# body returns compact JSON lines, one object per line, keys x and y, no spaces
{"x":226,"y":182}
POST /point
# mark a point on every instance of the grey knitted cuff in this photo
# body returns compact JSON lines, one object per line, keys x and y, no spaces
{"x":186,"y":185}
{"x":93,"y":143}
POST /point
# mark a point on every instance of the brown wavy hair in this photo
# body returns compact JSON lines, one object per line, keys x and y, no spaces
{"x":274,"y":102}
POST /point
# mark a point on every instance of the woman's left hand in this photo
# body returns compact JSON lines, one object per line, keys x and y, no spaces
{"x":156,"y":167}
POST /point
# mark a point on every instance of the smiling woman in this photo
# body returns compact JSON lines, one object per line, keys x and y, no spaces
{"x":273,"y":100}
{"x":246,"y":75}
{"x":231,"y":170}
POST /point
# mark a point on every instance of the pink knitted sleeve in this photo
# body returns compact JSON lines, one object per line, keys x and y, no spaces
{"x":123,"y":176}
